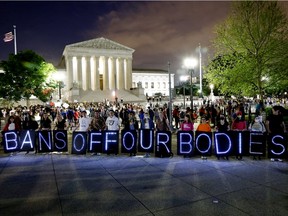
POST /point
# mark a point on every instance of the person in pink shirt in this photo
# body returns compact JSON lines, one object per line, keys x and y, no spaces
{"x":238,"y":124}
{"x":187,"y":124}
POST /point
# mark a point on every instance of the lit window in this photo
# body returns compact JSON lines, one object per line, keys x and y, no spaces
{"x":146,"y":85}
{"x":158,"y":85}
{"x":164,"y":85}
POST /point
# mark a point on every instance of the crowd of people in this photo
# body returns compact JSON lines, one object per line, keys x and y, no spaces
{"x":218,"y":116}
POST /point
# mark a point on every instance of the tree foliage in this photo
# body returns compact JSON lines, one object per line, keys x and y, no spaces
{"x":26,"y":74}
{"x":251,"y":50}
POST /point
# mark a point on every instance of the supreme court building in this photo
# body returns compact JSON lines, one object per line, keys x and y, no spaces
{"x":100,"y":69}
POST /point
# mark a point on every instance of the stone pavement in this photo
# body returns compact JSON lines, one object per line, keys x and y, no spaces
{"x":64,"y":184}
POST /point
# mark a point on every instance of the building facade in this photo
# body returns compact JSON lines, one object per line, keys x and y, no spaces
{"x":100,"y":69}
{"x":154,"y":82}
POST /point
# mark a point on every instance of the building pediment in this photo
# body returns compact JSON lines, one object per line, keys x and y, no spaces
{"x":101,"y":43}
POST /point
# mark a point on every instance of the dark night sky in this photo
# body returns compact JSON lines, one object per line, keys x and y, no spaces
{"x":159,"y":31}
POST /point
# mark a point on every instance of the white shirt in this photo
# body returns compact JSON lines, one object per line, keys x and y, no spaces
{"x":112,"y":123}
{"x":12,"y":126}
{"x":84,"y":123}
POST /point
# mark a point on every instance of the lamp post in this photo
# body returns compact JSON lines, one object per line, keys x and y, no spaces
{"x":59,"y":79}
{"x":190,"y":63}
{"x":212,"y":93}
{"x":183,"y":79}
{"x":170,"y":98}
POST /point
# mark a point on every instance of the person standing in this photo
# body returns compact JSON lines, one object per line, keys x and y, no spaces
{"x":83,"y":122}
{"x":112,"y":122}
{"x":98,"y":122}
{"x":239,"y":124}
{"x":204,"y":126}
{"x":275,"y":124}
{"x":60,"y":122}
{"x":187,"y":124}
{"x":257,"y":126}
{"x":222,"y":125}
{"x":45,"y":122}
{"x":162,"y":124}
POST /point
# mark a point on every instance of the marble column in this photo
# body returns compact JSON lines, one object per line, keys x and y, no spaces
{"x":113,"y":74}
{"x":121,"y":74}
{"x":93,"y":73}
{"x":79,"y":72}
{"x":69,"y":69}
{"x":105,"y":74}
{"x":88,"y":72}
{"x":128,"y":74}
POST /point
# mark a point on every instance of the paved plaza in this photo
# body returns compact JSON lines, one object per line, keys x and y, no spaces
{"x":65,"y":184}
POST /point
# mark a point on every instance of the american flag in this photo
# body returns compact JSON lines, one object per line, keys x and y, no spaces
{"x":8,"y":37}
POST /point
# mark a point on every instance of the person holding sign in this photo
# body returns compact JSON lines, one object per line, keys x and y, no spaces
{"x":222,"y":125}
{"x":45,"y":122}
{"x":204,"y":126}
{"x":275,"y":124}
{"x":84,"y":122}
{"x":187,"y":124}
{"x":258,"y":126}
{"x":239,"y":124}
{"x":60,"y":122}
{"x":112,"y":122}
{"x":98,"y":122}
{"x":162,"y":124}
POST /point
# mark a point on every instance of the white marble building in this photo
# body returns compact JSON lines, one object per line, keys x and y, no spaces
{"x":153,"y":81}
{"x":100,"y":69}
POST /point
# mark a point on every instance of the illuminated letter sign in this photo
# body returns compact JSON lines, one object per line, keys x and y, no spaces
{"x":11,"y":141}
{"x":257,"y":145}
{"x":27,"y":140}
{"x":95,"y":142}
{"x":60,"y":140}
{"x":185,"y":141}
{"x":44,"y":141}
{"x":203,"y":143}
{"x":79,"y":142}
{"x":240,"y":142}
{"x":111,"y":142}
{"x":146,"y":141}
{"x":129,"y":141}
{"x":163,"y":144}
{"x":277,"y":146}
{"x":223,"y":144}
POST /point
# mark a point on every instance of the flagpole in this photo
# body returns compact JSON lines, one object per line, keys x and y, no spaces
{"x":15,"y":42}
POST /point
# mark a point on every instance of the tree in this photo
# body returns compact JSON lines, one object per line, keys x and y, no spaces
{"x":26,"y":74}
{"x":251,"y":50}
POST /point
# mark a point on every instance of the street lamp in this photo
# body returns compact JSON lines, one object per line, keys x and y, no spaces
{"x":212,"y":93}
{"x":189,"y":64}
{"x":183,"y":79}
{"x":59,"y":79}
